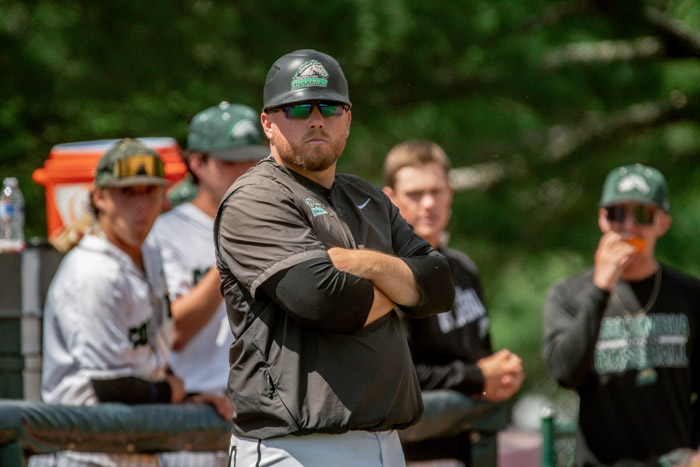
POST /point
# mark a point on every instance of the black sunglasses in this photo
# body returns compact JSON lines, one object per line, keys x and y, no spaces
{"x":302,"y":111}
{"x":642,"y":215}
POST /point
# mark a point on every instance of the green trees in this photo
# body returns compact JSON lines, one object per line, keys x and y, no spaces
{"x":534,"y":101}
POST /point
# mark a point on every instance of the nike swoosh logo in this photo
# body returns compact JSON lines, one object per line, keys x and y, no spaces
{"x":363,"y":204}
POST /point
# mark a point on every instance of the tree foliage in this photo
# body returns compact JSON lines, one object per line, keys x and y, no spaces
{"x":535,"y":101}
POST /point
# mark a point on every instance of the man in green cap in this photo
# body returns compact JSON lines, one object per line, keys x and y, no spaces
{"x":623,"y":333}
{"x":223,"y":142}
{"x":106,"y":319}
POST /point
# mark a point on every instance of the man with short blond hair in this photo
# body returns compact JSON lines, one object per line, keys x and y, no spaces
{"x":451,"y":350}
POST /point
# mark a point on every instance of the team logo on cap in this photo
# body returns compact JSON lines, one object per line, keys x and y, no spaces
{"x":311,"y":73}
{"x":633,"y":182}
{"x":244,"y":128}
{"x":316,"y":207}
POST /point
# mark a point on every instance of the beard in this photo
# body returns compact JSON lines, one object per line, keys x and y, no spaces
{"x":310,"y":159}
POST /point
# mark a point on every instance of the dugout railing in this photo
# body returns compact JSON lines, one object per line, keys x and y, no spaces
{"x":31,"y":428}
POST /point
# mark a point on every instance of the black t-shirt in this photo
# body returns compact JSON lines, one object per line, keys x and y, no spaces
{"x":445,"y":347}
{"x":636,"y":373}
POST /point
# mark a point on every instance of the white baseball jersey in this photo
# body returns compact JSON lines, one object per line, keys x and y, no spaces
{"x":104,"y":318}
{"x":185,"y":237}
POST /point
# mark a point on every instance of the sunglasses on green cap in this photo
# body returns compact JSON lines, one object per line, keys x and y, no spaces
{"x":139,"y":164}
{"x":302,"y":111}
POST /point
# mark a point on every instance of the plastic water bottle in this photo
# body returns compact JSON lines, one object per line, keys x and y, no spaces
{"x":11,"y":216}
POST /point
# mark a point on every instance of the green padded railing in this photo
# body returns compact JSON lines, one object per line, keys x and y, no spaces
{"x":28,"y":428}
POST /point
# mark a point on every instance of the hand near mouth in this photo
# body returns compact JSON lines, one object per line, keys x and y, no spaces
{"x":636,"y":242}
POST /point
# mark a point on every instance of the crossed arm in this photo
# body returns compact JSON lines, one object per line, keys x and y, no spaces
{"x":350,"y":289}
{"x":391,"y":278}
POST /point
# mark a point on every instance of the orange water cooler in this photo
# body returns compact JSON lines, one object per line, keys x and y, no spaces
{"x":70,"y":170}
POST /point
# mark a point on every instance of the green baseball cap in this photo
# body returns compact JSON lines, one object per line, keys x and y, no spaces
{"x":130,"y":162}
{"x":229,"y":132}
{"x":636,"y":183}
{"x":183,"y":191}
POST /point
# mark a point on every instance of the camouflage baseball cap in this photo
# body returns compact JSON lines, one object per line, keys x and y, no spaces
{"x":229,"y":132}
{"x":635,"y":183}
{"x":130,"y":162}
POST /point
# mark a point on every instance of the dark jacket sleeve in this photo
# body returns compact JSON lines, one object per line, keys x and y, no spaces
{"x":572,"y":315}
{"x":433,"y":274}
{"x":457,"y":375}
{"x":131,"y":390}
{"x":319,"y":296}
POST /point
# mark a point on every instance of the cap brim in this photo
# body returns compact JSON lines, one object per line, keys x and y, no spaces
{"x":135,"y":181}
{"x":251,"y":152}
{"x":306,"y":95}
{"x":629,"y":199}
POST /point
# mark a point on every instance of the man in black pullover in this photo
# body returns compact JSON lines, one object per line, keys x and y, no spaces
{"x":313,"y":266}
